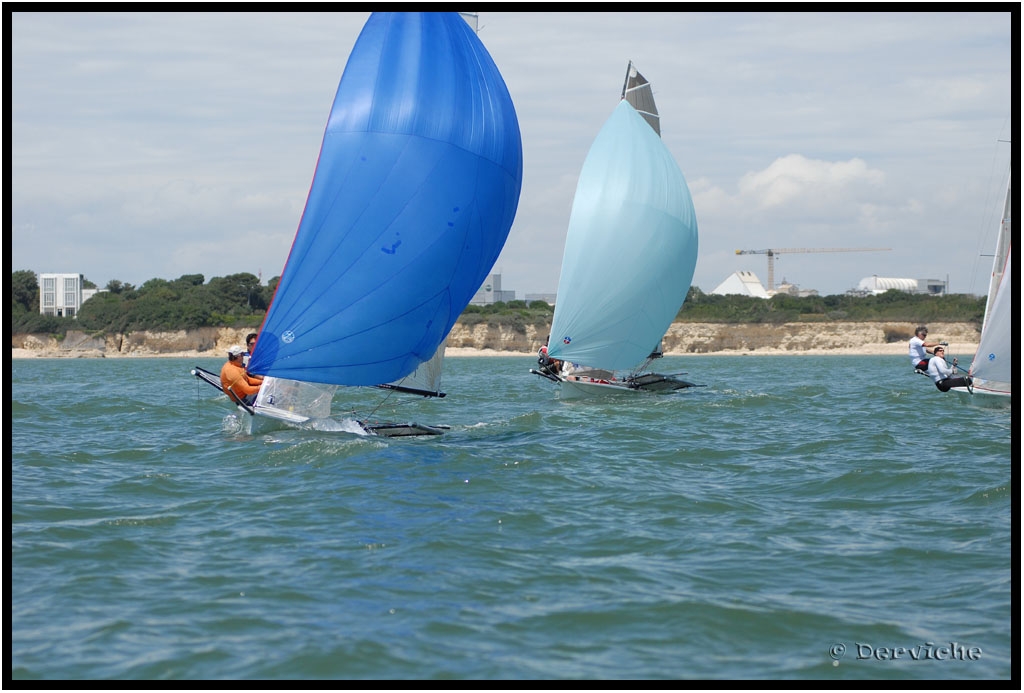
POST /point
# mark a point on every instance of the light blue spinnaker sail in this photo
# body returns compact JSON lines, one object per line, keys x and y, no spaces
{"x":414,"y":194}
{"x":630,"y":251}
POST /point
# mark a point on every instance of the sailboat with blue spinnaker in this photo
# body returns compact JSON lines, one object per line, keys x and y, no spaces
{"x":415,"y":191}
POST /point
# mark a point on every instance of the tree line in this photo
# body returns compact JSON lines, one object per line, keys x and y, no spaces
{"x":188,"y":302}
{"x":239,"y":300}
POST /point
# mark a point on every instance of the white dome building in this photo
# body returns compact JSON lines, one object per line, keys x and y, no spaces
{"x":879,"y":285}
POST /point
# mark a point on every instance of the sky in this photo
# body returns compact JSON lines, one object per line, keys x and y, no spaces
{"x":155,"y":145}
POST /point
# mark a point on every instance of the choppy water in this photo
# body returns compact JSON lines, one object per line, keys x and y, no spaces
{"x":752,"y":529}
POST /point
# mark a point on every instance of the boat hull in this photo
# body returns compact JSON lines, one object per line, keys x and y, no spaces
{"x":261,"y":421}
{"x":257,"y":420}
{"x":980,"y":397}
{"x":402,"y":430}
{"x":583,"y":387}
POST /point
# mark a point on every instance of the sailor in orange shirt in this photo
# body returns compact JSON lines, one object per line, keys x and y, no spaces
{"x":236,"y":383}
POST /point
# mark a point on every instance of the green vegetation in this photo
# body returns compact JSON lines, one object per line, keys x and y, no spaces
{"x":185,"y":303}
{"x":239,"y":300}
{"x":892,"y":306}
{"x":513,"y":314}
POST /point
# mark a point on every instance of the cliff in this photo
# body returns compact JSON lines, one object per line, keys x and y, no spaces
{"x":682,"y":338}
{"x":718,"y":338}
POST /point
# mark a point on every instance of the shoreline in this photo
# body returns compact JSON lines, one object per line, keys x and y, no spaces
{"x":894,"y":349}
{"x":484,"y":341}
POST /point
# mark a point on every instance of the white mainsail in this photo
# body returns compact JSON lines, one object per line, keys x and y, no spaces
{"x":992,"y":369}
{"x":302,"y":400}
{"x":299,"y":400}
{"x":425,"y":380}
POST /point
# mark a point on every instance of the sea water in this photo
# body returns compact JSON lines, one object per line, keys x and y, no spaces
{"x":797,"y":518}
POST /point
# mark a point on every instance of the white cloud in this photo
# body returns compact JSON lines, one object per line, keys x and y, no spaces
{"x":144,"y":143}
{"x":796,"y":182}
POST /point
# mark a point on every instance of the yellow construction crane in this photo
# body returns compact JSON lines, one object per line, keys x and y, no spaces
{"x":772,"y":252}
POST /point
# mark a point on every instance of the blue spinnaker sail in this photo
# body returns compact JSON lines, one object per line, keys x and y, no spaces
{"x":630,"y":251}
{"x":414,"y":194}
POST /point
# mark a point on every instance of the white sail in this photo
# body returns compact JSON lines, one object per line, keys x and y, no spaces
{"x":992,"y":369}
{"x":425,"y":380}
{"x":993,"y":364}
{"x":1002,"y":255}
{"x":300,"y":399}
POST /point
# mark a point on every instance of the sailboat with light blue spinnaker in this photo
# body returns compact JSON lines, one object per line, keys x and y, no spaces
{"x":629,"y":258}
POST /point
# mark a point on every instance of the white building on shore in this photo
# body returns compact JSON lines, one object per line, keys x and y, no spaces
{"x":62,"y":295}
{"x":491,"y":292}
{"x":875,"y":285}
{"x":743,"y":283}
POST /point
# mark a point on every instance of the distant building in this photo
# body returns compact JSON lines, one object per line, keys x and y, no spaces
{"x":547,"y":298}
{"x":491,"y":292}
{"x":743,"y":283}
{"x":62,"y":295}
{"x":874,"y":285}
{"x":936,"y":287}
{"x":793,"y":290}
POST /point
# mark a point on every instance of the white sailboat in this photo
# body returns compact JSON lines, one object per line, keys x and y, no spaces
{"x":630,"y":253}
{"x":992,"y":369}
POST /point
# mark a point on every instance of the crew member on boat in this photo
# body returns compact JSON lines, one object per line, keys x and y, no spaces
{"x":552,"y":366}
{"x":235,"y":381}
{"x":942,"y":374}
{"x":920,"y":350}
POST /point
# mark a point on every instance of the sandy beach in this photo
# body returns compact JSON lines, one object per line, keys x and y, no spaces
{"x":483,"y":341}
{"x":895,"y":349}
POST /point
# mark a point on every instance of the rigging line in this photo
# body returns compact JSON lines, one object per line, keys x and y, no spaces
{"x":646,"y":363}
{"x":199,"y":406}
{"x":984,"y":236}
{"x":954,"y":366}
{"x":380,"y":404}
